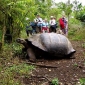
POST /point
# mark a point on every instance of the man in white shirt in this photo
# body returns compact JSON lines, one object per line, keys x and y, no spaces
{"x":52,"y":24}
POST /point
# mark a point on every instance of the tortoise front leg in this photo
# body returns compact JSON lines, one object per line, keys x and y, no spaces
{"x":31,"y":54}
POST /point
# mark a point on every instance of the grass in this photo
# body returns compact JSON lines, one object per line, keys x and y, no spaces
{"x":75,"y":64}
{"x":81,"y":81}
{"x":83,"y":45}
{"x":13,"y":69}
{"x":76,"y":31}
{"x":77,"y":34}
{"x":55,"y":81}
{"x":11,"y":74}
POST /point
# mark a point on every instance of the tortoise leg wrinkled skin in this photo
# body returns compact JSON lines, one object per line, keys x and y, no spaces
{"x":31,"y":55}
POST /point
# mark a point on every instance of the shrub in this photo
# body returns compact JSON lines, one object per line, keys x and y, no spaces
{"x":55,"y":81}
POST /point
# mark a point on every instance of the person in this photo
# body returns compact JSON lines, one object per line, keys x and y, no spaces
{"x":63,"y":25}
{"x":52,"y":24}
{"x":28,"y":30}
{"x":31,"y":28}
{"x":66,"y":28}
{"x":33,"y":25}
{"x":45,"y":26}
{"x":38,"y":21}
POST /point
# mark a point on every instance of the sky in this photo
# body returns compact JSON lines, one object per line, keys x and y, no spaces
{"x":81,"y":1}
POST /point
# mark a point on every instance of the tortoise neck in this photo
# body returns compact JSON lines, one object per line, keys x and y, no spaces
{"x":25,"y":44}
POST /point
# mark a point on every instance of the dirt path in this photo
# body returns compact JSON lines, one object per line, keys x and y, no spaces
{"x":68,"y":71}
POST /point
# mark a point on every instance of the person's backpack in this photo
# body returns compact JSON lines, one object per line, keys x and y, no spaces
{"x":32,"y":23}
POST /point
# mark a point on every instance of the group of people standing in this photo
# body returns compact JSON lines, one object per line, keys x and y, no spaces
{"x":40,"y":26}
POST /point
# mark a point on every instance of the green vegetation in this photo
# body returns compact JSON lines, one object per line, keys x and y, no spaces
{"x":82,"y":81}
{"x":76,"y":31}
{"x":12,"y":68}
{"x":75,"y":64}
{"x":77,"y":34}
{"x":83,"y":45}
{"x":55,"y":81}
{"x":13,"y":14}
{"x":10,"y":73}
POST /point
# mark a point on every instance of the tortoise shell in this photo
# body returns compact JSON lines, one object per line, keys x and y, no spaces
{"x":53,"y":43}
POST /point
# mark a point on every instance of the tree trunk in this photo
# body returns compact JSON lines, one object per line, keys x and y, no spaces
{"x":3,"y":34}
{"x":0,"y":46}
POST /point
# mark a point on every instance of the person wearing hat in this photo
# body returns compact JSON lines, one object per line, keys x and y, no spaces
{"x":52,"y":24}
{"x":39,"y":22}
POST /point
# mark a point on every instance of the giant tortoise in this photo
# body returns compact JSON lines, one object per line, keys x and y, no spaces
{"x":46,"y":45}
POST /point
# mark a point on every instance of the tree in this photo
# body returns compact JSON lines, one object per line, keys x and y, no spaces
{"x":66,"y":8}
{"x":81,"y":15}
{"x":13,"y":13}
{"x":77,"y":6}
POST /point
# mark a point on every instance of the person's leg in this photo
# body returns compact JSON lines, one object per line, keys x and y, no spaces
{"x":39,"y":27}
{"x":33,"y":30}
{"x":30,"y":31}
{"x":27,"y":32}
{"x":42,"y":29}
{"x":50,"y":28}
{"x":54,"y":28}
{"x":66,"y":32}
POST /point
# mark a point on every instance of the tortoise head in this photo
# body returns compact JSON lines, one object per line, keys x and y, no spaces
{"x":19,"y":40}
{"x":23,"y":42}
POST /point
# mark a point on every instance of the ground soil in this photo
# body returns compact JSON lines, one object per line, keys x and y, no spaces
{"x":68,"y":71}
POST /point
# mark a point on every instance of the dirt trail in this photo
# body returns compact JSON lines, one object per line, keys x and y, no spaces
{"x":68,"y":71}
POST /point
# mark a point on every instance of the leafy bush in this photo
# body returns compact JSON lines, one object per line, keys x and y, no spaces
{"x":81,"y":15}
{"x":55,"y":81}
{"x":17,"y":48}
{"x":72,"y":32}
{"x":77,"y":34}
{"x":13,"y":69}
